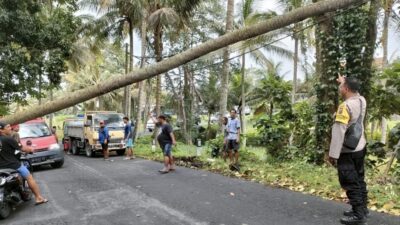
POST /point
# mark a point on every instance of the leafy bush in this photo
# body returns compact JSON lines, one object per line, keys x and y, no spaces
{"x":275,"y":134}
{"x":254,"y":139}
{"x":217,"y":142}
{"x":302,"y":126}
{"x":377,"y":150}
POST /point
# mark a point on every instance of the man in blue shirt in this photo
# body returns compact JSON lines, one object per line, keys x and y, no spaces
{"x":104,"y":138}
{"x":233,"y":138}
{"x":128,"y":137}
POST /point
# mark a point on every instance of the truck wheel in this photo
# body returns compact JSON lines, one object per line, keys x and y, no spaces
{"x":89,"y":151}
{"x":75,"y":149}
{"x":121,"y":152}
{"x":5,"y":210}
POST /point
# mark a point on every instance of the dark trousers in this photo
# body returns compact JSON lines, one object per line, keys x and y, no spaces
{"x":352,"y":177}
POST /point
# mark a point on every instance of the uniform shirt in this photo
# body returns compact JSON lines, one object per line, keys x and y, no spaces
{"x":347,"y":114}
{"x":232,"y":128}
{"x":103,"y":135}
{"x":165,"y":135}
{"x":8,"y":145}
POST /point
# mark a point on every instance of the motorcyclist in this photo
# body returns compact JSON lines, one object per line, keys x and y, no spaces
{"x":9,"y":160}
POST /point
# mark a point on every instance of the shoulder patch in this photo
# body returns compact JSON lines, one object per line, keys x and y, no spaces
{"x":343,"y":115}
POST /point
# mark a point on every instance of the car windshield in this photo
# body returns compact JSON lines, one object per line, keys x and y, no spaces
{"x":113,"y":120}
{"x":34,"y":130}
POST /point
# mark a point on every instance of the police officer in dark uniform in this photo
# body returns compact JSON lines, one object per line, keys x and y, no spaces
{"x":348,"y":148}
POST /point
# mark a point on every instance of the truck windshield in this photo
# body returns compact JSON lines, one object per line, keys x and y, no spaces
{"x":114,"y":120}
{"x":34,"y":130}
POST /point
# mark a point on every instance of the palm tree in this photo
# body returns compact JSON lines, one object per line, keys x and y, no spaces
{"x":225,"y":65}
{"x":272,"y":92}
{"x":115,"y":16}
{"x":161,"y":15}
{"x":104,"y":66}
{"x":249,"y":17}
{"x":212,"y":45}
{"x":298,"y":37}
{"x":141,"y":92}
{"x":388,"y":8}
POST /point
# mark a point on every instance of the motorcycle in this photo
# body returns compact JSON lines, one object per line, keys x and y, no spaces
{"x":14,"y":189}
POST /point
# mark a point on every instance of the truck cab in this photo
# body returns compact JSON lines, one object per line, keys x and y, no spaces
{"x":82,"y":133}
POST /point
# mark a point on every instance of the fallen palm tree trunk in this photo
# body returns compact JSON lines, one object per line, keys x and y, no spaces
{"x":112,"y":84}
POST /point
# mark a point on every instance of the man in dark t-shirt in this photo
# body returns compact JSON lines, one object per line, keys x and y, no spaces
{"x":8,"y":159}
{"x":166,"y":139}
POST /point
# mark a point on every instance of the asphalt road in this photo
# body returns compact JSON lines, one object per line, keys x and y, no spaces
{"x":91,"y":191}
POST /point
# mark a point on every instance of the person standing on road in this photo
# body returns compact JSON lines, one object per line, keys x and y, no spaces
{"x":8,"y":160}
{"x":233,"y":139}
{"x":104,"y":138}
{"x":348,"y":149}
{"x":128,"y":137}
{"x":166,"y":139}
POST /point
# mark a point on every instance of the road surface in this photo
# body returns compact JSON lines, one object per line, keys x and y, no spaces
{"x":91,"y":191}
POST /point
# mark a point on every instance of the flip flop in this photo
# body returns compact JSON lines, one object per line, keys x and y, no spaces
{"x":163,"y":171}
{"x":42,"y":202}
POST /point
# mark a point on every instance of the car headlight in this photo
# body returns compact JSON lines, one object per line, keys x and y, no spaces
{"x":54,"y":147}
{"x":2,"y":181}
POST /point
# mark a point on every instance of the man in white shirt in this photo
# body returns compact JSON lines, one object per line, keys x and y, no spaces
{"x":233,"y":138}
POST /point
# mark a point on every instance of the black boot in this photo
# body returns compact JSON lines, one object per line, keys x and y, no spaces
{"x":351,"y":212}
{"x":357,"y":218}
{"x":353,"y":220}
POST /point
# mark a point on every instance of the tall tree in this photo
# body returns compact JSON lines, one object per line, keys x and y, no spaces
{"x":34,"y":45}
{"x":349,"y":35}
{"x":141,"y":94}
{"x":298,"y":35}
{"x":254,"y":47}
{"x":116,"y":19}
{"x":225,"y":66}
{"x":387,"y":8}
{"x":162,"y":14}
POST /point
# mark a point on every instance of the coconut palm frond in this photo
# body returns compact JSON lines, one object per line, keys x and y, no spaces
{"x":163,"y":17}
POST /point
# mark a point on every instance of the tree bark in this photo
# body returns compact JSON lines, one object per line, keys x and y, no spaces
{"x":225,"y":65}
{"x":158,"y":46}
{"x":327,"y":96}
{"x":114,"y":83}
{"x":186,"y":104}
{"x":127,"y":90}
{"x":242,"y":111}
{"x":295,"y":65}
{"x":384,"y":40}
{"x":40,"y":89}
{"x":141,"y":94}
{"x":51,"y":116}
{"x":124,"y":102}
